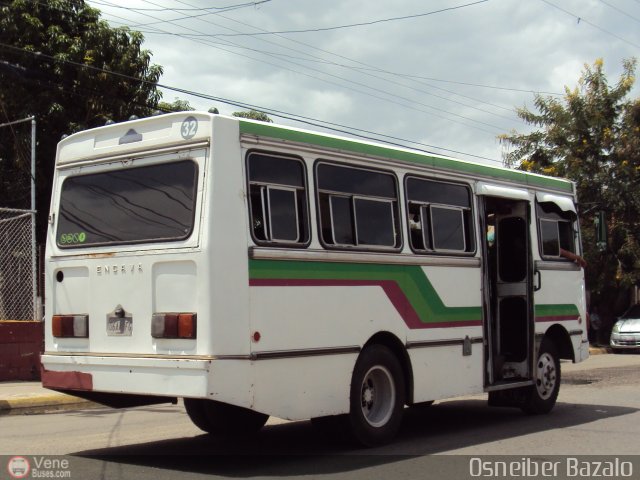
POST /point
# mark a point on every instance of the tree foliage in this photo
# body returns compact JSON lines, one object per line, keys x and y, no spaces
{"x":253,"y":115}
{"x":592,"y":136}
{"x":43,"y":47}
{"x":177,"y":105}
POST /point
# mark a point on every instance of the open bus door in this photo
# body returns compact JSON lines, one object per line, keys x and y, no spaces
{"x":508,"y":290}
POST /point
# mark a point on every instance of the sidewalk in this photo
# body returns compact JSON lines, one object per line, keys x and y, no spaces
{"x":29,"y":395}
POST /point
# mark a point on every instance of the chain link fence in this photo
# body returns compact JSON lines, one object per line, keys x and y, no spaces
{"x":17,"y":265}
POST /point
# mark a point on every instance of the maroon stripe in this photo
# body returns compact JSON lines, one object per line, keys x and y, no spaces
{"x":391,"y":289}
{"x":66,"y":380}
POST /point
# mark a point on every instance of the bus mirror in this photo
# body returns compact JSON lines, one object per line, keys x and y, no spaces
{"x":601,"y":230}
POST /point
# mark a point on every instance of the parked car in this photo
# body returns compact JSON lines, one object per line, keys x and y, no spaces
{"x":626,"y":331}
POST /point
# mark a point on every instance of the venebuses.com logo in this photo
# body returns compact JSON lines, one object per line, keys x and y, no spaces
{"x":18,"y":467}
{"x":38,"y":467}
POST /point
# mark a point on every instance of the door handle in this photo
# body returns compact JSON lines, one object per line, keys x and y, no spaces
{"x":538,"y":285}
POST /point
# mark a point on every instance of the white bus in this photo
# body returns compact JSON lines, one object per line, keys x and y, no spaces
{"x":259,"y":270}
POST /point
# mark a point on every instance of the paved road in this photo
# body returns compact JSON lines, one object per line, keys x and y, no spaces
{"x":598,"y":413}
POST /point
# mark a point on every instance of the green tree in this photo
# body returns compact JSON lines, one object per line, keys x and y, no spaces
{"x":177,"y":105}
{"x":43,"y":47}
{"x":592,"y":136}
{"x":253,"y":115}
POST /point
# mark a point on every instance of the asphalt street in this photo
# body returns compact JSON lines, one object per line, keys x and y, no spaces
{"x":598,"y":413}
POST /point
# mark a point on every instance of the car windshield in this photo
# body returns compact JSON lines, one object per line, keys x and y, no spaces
{"x":633,"y":312}
{"x":143,"y":204}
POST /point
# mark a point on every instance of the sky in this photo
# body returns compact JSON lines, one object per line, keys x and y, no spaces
{"x":441,"y":75}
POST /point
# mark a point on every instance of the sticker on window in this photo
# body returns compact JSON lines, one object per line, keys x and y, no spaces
{"x":72,"y":238}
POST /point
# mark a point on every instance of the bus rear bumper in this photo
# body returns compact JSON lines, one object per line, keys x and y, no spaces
{"x":167,"y":377}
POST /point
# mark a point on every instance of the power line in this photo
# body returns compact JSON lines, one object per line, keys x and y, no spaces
{"x":187,"y":17}
{"x":360,"y":70}
{"x":277,"y":113}
{"x":373,"y":68}
{"x":195,"y":9}
{"x":581,"y":19}
{"x":365,"y":66}
{"x":272,"y":54}
{"x":494,"y":87}
{"x":620,"y":11}
{"x":377,"y":91}
{"x":338,"y":27}
{"x":364,"y":69}
{"x":368,"y":67}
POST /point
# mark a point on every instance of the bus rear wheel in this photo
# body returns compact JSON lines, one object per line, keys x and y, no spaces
{"x":541,"y":397}
{"x":219,"y":418}
{"x":377,"y":397}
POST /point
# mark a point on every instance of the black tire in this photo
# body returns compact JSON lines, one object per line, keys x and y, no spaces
{"x":542,"y":396}
{"x":219,"y":418}
{"x":195,"y":410}
{"x":377,"y":397}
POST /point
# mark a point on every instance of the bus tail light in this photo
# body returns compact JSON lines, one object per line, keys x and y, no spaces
{"x":173,"y":325}
{"x":70,"y":326}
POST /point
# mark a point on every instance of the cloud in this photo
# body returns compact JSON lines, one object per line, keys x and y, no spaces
{"x":519,"y":45}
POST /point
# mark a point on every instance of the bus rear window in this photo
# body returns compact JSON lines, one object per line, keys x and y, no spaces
{"x":144,"y":204}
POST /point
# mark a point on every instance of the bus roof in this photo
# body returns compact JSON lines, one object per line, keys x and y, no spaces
{"x":296,"y":135}
{"x":108,"y":140}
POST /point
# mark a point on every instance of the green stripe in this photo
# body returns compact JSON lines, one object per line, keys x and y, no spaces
{"x":410,"y":279}
{"x":354,"y":146}
{"x":559,"y":310}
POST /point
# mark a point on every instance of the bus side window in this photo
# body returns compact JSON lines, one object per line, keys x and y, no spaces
{"x":556,"y":229}
{"x":357,"y":207}
{"x":439,"y":216}
{"x":277,"y":200}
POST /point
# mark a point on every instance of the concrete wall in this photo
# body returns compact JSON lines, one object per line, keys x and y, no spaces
{"x":21,"y":343}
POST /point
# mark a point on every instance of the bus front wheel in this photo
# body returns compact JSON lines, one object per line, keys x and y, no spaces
{"x":377,"y":397}
{"x":541,"y":397}
{"x":220,"y":418}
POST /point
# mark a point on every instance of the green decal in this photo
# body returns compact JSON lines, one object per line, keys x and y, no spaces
{"x":72,"y":238}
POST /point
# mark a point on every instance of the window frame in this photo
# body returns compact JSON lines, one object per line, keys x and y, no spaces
{"x":542,"y":240}
{"x":304,"y":223}
{"x":151,"y":241}
{"x":469,"y":231}
{"x":389,"y":202}
{"x":269,"y":189}
{"x":331,"y":196}
{"x":556,"y":218}
{"x":396,"y":215}
{"x":460,"y":210}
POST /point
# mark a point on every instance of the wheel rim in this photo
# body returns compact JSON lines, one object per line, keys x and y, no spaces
{"x":547,"y":376}
{"x":377,"y":396}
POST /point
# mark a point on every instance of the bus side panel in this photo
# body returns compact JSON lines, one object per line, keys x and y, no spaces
{"x":320,"y":317}
{"x":319,"y":307}
{"x":452,"y":308}
{"x":444,"y":371}
{"x":316,"y":331}
{"x":561,"y":300}
{"x":305,"y":387}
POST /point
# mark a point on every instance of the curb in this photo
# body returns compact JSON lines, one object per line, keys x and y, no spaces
{"x":599,"y":350}
{"x":38,"y":400}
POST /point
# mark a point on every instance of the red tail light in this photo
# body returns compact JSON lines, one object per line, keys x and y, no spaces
{"x":70,"y":326}
{"x":187,"y":325}
{"x":173,"y":325}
